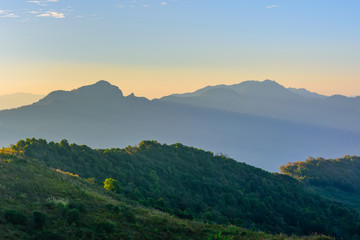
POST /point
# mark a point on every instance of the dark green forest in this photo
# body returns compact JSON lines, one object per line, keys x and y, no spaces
{"x":193,"y":184}
{"x":41,"y":203}
{"x":336,"y":179}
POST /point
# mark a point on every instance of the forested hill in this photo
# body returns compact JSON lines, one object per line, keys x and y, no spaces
{"x":341,"y":173}
{"x":338,"y":179}
{"x":40,"y":203}
{"x":195,"y":184}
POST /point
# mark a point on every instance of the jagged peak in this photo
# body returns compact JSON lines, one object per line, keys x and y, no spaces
{"x":266,"y":82}
{"x":101,"y":86}
{"x":102,"y":89}
{"x":266,"y":88}
{"x":271,"y":81}
{"x":102,"y":83}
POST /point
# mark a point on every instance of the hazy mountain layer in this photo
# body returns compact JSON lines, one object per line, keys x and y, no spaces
{"x":305,"y":93}
{"x":101,"y":116}
{"x":270,"y":99}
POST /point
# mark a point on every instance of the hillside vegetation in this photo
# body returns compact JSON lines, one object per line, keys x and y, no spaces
{"x":194,"y":184}
{"x":337,"y":179}
{"x":39,"y":203}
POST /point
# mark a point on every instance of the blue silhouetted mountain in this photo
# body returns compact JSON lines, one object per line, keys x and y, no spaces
{"x":343,"y":101}
{"x":98,"y":93}
{"x":264,"y":89}
{"x":261,"y":133}
{"x":270,"y":99}
{"x":305,"y":93}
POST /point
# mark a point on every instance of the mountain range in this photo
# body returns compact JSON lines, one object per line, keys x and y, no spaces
{"x":270,"y":99}
{"x":261,"y":123}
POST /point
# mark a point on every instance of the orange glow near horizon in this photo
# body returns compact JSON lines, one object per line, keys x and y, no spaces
{"x":155,"y":82}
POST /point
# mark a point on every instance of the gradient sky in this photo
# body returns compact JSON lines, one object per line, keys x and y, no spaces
{"x":154,"y":48}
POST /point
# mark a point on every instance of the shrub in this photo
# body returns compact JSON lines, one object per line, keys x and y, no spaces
{"x":106,"y":226}
{"x":39,"y":220}
{"x":79,"y":206}
{"x":73,"y":216}
{"x":219,"y":236}
{"x":128,"y":214}
{"x":49,"y":236}
{"x":15,"y":217}
{"x":60,"y":203}
{"x":112,"y":185}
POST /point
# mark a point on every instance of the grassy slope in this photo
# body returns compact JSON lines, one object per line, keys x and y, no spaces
{"x":78,"y":209}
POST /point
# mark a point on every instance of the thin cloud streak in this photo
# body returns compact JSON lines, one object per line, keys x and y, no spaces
{"x":273,"y":6}
{"x":52,"y":14}
{"x":7,"y":14}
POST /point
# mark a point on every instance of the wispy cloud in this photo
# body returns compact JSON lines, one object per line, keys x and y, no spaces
{"x":7,"y":14}
{"x":133,"y":4}
{"x":273,"y":6}
{"x":33,"y":12}
{"x":52,"y":14}
{"x":37,"y":2}
{"x":164,"y":3}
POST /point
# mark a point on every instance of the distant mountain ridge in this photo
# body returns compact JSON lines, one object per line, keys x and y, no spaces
{"x":101,"y":92}
{"x":305,"y":93}
{"x":260,"y":123}
{"x":266,"y":88}
{"x":270,"y":99}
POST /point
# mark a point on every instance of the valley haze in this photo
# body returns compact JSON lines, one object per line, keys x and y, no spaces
{"x":261,"y":123}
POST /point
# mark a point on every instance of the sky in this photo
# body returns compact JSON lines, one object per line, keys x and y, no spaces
{"x":159,"y":47}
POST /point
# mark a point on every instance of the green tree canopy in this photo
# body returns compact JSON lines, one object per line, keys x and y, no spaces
{"x":112,"y":185}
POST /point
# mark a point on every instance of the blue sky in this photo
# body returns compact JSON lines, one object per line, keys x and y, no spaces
{"x":300,"y":43}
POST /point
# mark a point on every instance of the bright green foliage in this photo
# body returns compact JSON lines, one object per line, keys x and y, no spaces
{"x":220,"y":236}
{"x":112,"y":185}
{"x":341,"y":173}
{"x":194,"y":184}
